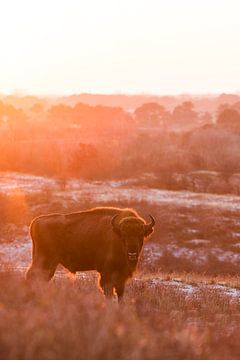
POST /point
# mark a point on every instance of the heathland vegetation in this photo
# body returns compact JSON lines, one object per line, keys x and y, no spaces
{"x":72,"y":320}
{"x":183,"y":302}
{"x":168,"y":146}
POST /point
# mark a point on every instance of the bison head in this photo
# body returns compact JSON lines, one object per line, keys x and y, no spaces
{"x":132,"y":231}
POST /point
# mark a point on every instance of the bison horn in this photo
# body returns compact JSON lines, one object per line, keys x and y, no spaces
{"x":148,"y":228}
{"x":114,"y":225}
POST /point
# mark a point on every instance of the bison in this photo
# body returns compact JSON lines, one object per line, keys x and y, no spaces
{"x":107,"y":239}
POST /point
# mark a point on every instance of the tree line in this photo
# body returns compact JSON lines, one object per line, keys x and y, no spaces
{"x":100,"y":142}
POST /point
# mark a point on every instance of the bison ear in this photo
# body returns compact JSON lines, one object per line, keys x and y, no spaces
{"x":115,"y":226}
{"x":148,"y":228}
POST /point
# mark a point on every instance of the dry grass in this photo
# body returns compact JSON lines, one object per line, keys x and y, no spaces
{"x":175,"y":225}
{"x":72,"y":320}
{"x":192,"y":278}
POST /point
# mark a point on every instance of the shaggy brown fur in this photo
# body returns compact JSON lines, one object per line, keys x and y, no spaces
{"x":105,"y":239}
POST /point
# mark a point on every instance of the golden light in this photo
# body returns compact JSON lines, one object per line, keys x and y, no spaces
{"x":111,"y":46}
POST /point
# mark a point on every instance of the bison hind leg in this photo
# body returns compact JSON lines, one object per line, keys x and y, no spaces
{"x":41,"y":270}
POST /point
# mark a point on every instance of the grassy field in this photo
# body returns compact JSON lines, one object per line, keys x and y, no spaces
{"x":70,"y":319}
{"x":183,"y":302}
{"x":188,"y":237}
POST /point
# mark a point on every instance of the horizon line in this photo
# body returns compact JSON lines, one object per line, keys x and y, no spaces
{"x":143,"y":94}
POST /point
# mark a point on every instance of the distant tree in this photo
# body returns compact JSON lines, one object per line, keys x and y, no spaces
{"x":81,"y":113}
{"x":1,"y":112}
{"x":102,"y":120}
{"x":84,"y":160}
{"x":228,"y":98}
{"x":222,"y":107}
{"x":60,"y":114}
{"x":229,"y":118}
{"x":185,"y":113}
{"x":13,"y":115}
{"x":14,"y":120}
{"x":37,"y":108}
{"x":236,"y":106}
{"x":151,"y":114}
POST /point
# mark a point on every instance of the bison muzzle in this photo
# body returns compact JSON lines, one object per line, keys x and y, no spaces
{"x":108,"y":240}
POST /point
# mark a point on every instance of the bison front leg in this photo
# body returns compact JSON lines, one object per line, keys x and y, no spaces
{"x":108,"y":290}
{"x":120,"y":290}
{"x":107,"y":287}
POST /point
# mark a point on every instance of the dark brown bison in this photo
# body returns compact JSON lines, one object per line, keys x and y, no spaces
{"x":105,"y":239}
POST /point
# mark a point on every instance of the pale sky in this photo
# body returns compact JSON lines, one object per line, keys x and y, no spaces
{"x":119,"y":46}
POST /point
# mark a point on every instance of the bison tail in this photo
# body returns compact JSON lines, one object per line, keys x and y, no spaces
{"x":33,"y":241}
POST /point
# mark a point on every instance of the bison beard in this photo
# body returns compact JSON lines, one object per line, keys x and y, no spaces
{"x":108,"y":240}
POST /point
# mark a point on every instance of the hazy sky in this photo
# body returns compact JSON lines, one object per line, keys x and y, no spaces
{"x":119,"y":46}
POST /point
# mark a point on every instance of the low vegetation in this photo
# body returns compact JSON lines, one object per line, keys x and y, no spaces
{"x":71,"y":319}
{"x":102,"y":142}
{"x":196,"y":245}
{"x":198,"y":239}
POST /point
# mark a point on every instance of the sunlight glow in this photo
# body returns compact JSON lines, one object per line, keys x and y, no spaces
{"x":154,"y":46}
